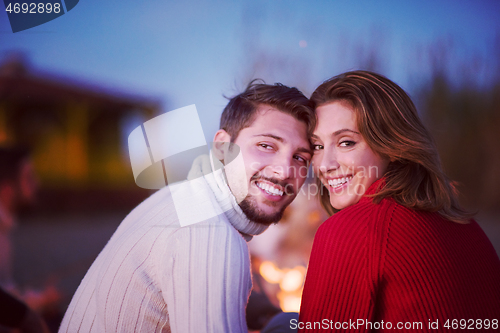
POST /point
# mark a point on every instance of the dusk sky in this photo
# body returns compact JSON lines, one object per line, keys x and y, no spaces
{"x":194,"y":52}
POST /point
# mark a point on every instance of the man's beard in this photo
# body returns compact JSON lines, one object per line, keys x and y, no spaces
{"x":253,"y":213}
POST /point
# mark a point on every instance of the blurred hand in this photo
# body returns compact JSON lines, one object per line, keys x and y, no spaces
{"x":42,"y":300}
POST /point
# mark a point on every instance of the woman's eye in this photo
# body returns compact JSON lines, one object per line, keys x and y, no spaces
{"x":347,"y":143}
{"x":317,"y":147}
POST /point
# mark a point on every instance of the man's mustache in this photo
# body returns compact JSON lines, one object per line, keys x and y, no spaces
{"x":288,"y":188}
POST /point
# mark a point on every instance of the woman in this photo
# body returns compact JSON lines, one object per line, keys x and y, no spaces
{"x":398,"y":253}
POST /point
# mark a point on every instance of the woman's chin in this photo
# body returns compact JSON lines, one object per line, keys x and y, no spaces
{"x":343,"y":201}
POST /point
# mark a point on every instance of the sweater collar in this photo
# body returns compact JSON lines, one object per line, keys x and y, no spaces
{"x":216,"y":180}
{"x":375,"y":187}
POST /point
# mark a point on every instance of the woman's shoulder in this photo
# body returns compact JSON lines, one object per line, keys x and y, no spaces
{"x":420,"y":233}
{"x":367,"y":218}
{"x":360,"y":219}
{"x":366,"y":207}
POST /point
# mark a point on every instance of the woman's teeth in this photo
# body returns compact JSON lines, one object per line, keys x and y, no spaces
{"x":270,"y":189}
{"x":337,"y":182}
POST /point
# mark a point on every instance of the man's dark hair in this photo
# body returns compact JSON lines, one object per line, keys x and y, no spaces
{"x":11,"y":159}
{"x":240,"y":111}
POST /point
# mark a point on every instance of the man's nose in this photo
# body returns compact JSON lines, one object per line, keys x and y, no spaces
{"x":281,"y":167}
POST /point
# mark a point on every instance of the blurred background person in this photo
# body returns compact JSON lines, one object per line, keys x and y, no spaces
{"x":18,"y":189}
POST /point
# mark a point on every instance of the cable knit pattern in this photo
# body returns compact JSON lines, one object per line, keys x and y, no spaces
{"x":385,"y":262}
{"x":155,"y":276}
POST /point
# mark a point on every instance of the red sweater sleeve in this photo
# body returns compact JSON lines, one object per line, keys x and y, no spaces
{"x":345,"y":268}
{"x":386,"y":267}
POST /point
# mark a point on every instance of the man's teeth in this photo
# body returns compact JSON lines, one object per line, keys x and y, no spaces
{"x":337,"y":182}
{"x":270,"y":189}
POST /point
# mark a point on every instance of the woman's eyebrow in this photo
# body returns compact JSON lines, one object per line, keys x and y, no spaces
{"x":340,"y":131}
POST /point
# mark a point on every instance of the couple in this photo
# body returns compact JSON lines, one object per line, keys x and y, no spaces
{"x":398,"y":247}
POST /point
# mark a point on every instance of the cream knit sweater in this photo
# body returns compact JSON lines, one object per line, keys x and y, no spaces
{"x":155,"y":276}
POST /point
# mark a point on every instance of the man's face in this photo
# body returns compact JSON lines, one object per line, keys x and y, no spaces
{"x":276,"y":155}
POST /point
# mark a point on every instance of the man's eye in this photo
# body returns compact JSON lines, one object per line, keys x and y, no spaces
{"x":318,"y":147}
{"x":265,"y":146}
{"x":300,"y":159}
{"x":347,"y":143}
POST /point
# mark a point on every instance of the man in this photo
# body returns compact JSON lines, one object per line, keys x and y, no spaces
{"x":156,"y":276}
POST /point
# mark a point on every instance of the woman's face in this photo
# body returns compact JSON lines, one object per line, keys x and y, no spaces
{"x":342,"y":159}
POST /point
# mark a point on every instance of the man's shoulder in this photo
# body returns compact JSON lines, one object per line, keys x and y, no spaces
{"x":158,"y":207}
{"x":162,"y":197}
{"x":160,"y":210}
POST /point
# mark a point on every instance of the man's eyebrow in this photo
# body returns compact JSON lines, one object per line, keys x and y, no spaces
{"x":280,"y":139}
{"x":304,"y":150}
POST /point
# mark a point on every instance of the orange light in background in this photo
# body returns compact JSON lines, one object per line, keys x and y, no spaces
{"x":290,"y":284}
{"x":270,"y":272}
{"x":293,"y":279}
{"x":289,"y":302}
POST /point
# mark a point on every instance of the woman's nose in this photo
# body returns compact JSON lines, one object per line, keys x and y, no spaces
{"x":326,"y":162}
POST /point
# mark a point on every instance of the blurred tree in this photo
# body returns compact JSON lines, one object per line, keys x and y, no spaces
{"x":464,"y":118}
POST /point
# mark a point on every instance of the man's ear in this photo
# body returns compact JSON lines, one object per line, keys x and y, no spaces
{"x":221,"y":144}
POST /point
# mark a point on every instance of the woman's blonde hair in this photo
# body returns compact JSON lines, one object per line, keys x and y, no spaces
{"x":388,"y":121}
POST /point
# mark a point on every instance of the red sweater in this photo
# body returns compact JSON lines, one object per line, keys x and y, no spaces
{"x":384,"y":262}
